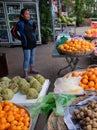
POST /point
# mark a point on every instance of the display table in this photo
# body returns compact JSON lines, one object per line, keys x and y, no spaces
{"x":68,"y":28}
{"x":43,"y":93}
{"x":28,"y":103}
{"x":72,"y":61}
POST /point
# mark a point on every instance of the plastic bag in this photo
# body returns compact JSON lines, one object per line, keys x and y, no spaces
{"x":62,"y":41}
{"x":51,"y":102}
{"x":68,"y":85}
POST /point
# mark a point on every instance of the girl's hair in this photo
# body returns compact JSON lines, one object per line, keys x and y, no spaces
{"x":22,"y":13}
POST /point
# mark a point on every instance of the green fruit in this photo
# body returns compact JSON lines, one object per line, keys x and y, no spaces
{"x":59,"y":20}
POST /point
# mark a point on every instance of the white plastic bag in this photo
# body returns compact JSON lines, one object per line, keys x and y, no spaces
{"x":68,"y":85}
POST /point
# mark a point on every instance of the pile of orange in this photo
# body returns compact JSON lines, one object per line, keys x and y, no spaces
{"x":75,"y":45}
{"x":89,"y":79}
{"x":13,"y":117}
{"x":92,"y":32}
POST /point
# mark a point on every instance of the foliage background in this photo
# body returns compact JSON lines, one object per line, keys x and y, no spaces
{"x":81,"y":9}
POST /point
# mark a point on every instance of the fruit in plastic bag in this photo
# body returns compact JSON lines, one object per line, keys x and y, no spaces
{"x":14,"y":87}
{"x":36,"y":84}
{"x":7,"y":93}
{"x":16,"y":79}
{"x":30,"y":78}
{"x":24,"y":89}
{"x":24,"y":83}
{"x":5,"y":79}
{"x":1,"y":98}
{"x":0,"y":89}
{"x":4,"y":84}
{"x":32,"y":93}
{"x":40,"y":78}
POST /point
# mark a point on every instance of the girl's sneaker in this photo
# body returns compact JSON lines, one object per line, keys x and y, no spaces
{"x":25,"y":76}
{"x":34,"y":72}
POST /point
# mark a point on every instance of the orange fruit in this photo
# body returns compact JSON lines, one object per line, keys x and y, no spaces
{"x":14,"y":122}
{"x":2,"y":114}
{"x":6,"y":108}
{"x":61,"y":47}
{"x":95,"y":86}
{"x":75,"y":74}
{"x":95,"y":80}
{"x":22,"y":112}
{"x":0,"y":107}
{"x":10,"y":118}
{"x":2,"y":127}
{"x":82,"y":74}
{"x":13,"y":117}
{"x":89,"y":73}
{"x":12,"y":127}
{"x":86,"y":87}
{"x":3,"y":120}
{"x":84,"y":81}
{"x":92,"y":88}
{"x":95,"y":72}
{"x":17,"y":117}
{"x":16,"y":110}
{"x":25,"y":128}
{"x":91,"y":84}
{"x":20,"y":123}
{"x":21,"y":119}
{"x":18,"y":128}
{"x":26,"y":123}
{"x":9,"y":113}
{"x":7,"y":125}
{"x":6,"y":102}
{"x":27,"y":118}
{"x":92,"y":77}
{"x":26,"y":115}
{"x":81,"y":84}
{"x":85,"y":76}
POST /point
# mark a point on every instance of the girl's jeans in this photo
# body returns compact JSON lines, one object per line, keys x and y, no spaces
{"x":29,"y":58}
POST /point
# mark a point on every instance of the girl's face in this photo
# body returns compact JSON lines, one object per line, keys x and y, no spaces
{"x":26,"y":15}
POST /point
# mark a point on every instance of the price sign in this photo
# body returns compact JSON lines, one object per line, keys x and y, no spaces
{"x":94,"y":24}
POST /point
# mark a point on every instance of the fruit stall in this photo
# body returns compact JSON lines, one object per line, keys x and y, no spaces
{"x":75,"y":93}
{"x":60,"y":19}
{"x":64,"y":24}
{"x":72,"y":47}
{"x":67,"y":24}
{"x":81,"y":83}
{"x":91,"y":35}
{"x":17,"y":96}
{"x":73,"y":101}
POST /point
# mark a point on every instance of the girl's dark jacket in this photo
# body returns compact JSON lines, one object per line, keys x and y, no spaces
{"x":18,"y":31}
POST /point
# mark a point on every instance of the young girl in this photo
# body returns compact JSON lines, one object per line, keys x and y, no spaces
{"x":24,"y":30}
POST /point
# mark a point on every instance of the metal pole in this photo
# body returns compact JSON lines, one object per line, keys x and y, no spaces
{"x":52,"y":22}
{"x":58,"y":1}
